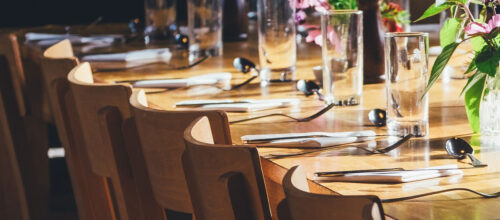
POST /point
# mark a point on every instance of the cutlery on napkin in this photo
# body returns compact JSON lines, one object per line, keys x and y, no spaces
{"x":317,"y":142}
{"x":46,"y":39}
{"x":271,"y":137}
{"x":396,"y":176}
{"x":249,"y":105}
{"x":206,"y":79}
{"x":128,"y":59}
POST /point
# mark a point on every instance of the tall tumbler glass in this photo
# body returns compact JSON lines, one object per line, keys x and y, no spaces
{"x":277,"y":47}
{"x":205,"y":28}
{"x":160,"y":22}
{"x":342,"y":50}
{"x":406,"y":71}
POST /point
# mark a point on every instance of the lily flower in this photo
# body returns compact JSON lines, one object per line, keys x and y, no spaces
{"x":476,"y":28}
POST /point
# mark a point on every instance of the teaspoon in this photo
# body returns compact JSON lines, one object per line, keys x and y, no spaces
{"x":458,"y":148}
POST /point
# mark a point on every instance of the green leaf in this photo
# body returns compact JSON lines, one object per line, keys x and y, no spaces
{"x":439,"y":64}
{"x":472,"y":81}
{"x":473,"y":101}
{"x":487,"y":61}
{"x":477,"y":43}
{"x":449,"y":31}
{"x":433,"y":10}
{"x":472,"y":66}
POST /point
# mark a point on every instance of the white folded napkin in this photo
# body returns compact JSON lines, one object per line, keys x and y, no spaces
{"x":262,"y":137}
{"x":128,"y":59}
{"x":206,"y":79}
{"x":318,"y":142}
{"x":45,"y":39}
{"x":249,"y":105}
{"x":395,"y":176}
{"x":243,"y":107}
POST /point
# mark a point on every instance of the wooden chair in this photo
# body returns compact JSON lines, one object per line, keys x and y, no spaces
{"x":161,"y":137}
{"x":305,"y":205}
{"x":13,"y":204}
{"x":111,"y":143}
{"x":25,"y":133}
{"x":225,"y":181}
{"x":89,"y":189}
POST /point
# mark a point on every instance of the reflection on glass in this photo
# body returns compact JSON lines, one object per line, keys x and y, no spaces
{"x":342,"y":50}
{"x":406,"y":77}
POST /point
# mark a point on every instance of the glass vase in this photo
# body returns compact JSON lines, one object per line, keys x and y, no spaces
{"x":489,"y":111}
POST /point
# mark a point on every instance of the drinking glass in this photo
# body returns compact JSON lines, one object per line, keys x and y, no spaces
{"x":205,"y":28}
{"x":160,"y":22}
{"x":406,"y":74}
{"x":342,"y":51}
{"x":277,"y":47}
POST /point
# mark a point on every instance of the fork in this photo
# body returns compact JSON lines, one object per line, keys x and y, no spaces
{"x":484,"y":195}
{"x":306,"y":119}
{"x":377,"y":151}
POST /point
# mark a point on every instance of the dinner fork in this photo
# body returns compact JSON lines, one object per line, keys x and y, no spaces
{"x":377,"y":151}
{"x":306,"y":119}
{"x":484,"y":195}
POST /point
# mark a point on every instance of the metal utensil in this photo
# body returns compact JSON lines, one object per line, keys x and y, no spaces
{"x":306,"y":119}
{"x":484,"y":195}
{"x":458,"y":148}
{"x":378,"y":151}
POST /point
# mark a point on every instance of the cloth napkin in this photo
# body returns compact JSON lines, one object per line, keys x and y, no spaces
{"x":249,"y":105}
{"x":206,"y":79}
{"x":44,"y":39}
{"x":313,"y":142}
{"x":395,"y":176}
{"x":128,"y":59}
{"x":263,"y":137}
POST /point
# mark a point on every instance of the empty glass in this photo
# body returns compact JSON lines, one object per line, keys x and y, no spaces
{"x":205,"y":28}
{"x":406,"y":78}
{"x":160,"y":22}
{"x":277,"y":47}
{"x":342,"y":51}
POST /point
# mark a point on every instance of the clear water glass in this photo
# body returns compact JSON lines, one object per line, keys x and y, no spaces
{"x":406,"y":62}
{"x":277,"y":46}
{"x":205,"y":28}
{"x":160,"y":26}
{"x":342,"y":51}
{"x":489,"y":111}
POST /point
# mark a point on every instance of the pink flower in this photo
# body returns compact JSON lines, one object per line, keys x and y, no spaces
{"x":317,"y":4}
{"x":476,"y":28}
{"x":494,"y":22}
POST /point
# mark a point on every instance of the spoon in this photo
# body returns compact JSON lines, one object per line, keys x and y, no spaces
{"x":244,"y":65}
{"x":377,"y":117}
{"x":458,"y":148}
{"x":309,"y":87}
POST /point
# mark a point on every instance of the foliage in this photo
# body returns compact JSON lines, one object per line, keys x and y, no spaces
{"x":485,"y":42}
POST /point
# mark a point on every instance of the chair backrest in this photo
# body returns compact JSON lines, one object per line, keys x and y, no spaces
{"x":305,"y":205}
{"x":91,"y":195}
{"x":13,"y":204}
{"x":111,"y":143}
{"x":225,"y":181}
{"x":161,"y":136}
{"x":21,"y":133}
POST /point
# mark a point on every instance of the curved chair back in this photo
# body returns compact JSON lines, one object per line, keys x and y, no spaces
{"x":161,"y":137}
{"x":305,"y":205}
{"x":111,"y":143}
{"x":225,"y":181}
{"x":89,"y":189}
{"x":24,"y":136}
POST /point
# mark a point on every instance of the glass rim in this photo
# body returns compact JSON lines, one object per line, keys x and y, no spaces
{"x":407,"y":34}
{"x":342,"y":12}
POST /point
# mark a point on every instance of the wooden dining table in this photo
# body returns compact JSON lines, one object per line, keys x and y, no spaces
{"x":447,"y":118}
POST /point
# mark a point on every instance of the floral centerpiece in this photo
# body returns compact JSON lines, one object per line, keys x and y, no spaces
{"x":393,"y":16}
{"x":482,"y":32}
